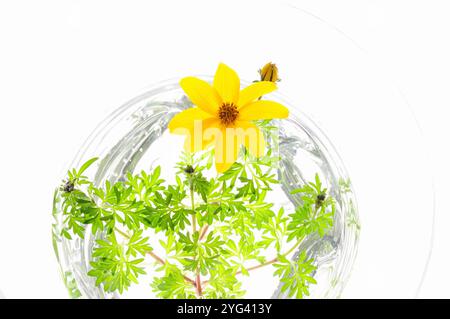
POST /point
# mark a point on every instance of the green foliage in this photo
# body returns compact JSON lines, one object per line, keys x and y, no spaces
{"x":211,"y":230}
{"x":116,"y":265}
{"x":296,"y":276}
{"x":203,"y":255}
{"x":250,"y":178}
{"x":223,"y":284}
{"x":173,"y":285}
{"x":316,"y":213}
{"x":275,"y":231}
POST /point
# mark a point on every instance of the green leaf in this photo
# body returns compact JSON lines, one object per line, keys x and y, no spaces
{"x":85,"y":166}
{"x":115,"y":268}
{"x":173,"y":285}
{"x":296,"y":276}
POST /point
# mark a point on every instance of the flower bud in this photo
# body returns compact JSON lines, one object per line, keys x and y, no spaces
{"x":269,"y":72}
{"x":68,"y":186}
{"x":189,"y":169}
{"x":320,"y":199}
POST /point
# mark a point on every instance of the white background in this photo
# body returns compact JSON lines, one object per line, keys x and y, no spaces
{"x":53,"y":71}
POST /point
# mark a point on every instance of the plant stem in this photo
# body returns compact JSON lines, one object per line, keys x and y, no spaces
{"x":198,"y":285}
{"x":259,"y":266}
{"x":122,"y":233}
{"x":194,"y":220}
{"x":272,"y":261}
{"x":293,"y":247}
{"x":156,"y":257}
{"x":198,"y":282}
{"x":203,"y":232}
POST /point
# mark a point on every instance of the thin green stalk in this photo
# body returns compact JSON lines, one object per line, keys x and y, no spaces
{"x":194,"y":220}
{"x":270,"y":262}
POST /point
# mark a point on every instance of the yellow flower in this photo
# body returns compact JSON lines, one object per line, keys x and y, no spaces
{"x":269,"y":72}
{"x":223,"y":116}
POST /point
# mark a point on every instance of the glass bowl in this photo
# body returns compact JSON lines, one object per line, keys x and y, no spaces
{"x":135,"y":137}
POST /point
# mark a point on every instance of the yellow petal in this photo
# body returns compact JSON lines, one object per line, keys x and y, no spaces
{"x":198,"y":137}
{"x":186,"y":119}
{"x":227,"y":84}
{"x":202,"y":94}
{"x":252,"y":137}
{"x":254,"y":91}
{"x":262,"y":110}
{"x":226,"y":149}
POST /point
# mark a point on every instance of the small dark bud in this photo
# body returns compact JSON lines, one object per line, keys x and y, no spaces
{"x":320,"y":198}
{"x":68,"y":187}
{"x":189,"y":169}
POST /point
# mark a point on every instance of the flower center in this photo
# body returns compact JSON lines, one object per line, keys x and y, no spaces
{"x":228,"y":113}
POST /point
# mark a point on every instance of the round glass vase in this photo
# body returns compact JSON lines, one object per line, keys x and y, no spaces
{"x":135,"y":137}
